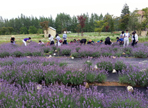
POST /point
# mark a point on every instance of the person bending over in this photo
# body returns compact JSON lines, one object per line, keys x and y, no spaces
{"x":26,"y":40}
{"x":108,"y":41}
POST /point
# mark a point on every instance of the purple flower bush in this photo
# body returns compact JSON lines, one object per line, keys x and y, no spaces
{"x":61,"y":96}
{"x":25,"y":70}
{"x":76,"y":50}
{"x":135,"y":76}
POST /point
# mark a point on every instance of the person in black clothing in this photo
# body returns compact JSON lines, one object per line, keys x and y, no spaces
{"x":12,"y":40}
{"x":133,"y":39}
{"x":89,"y":42}
{"x":83,"y":41}
{"x":108,"y":41}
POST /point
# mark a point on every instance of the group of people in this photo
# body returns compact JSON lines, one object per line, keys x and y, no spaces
{"x":122,"y":40}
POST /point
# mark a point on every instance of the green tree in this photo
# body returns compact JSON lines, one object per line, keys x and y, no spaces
{"x":145,"y":22}
{"x":23,"y":30}
{"x":124,"y":17}
{"x":39,"y":31}
{"x":99,"y":25}
{"x":10,"y":29}
{"x":32,"y":30}
{"x":3,"y":30}
{"x":62,"y":22}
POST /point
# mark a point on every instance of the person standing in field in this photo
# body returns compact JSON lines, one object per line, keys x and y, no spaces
{"x":26,"y":40}
{"x":51,"y":39}
{"x":12,"y":40}
{"x":65,"y":38}
{"x":126,"y":38}
{"x":134,"y":38}
{"x":58,"y":39}
{"x":122,"y":37}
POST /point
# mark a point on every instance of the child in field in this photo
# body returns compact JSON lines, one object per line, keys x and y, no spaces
{"x":51,"y":39}
{"x":58,"y":39}
{"x":26,"y":40}
{"x":100,"y":42}
{"x":119,"y":40}
{"x":12,"y":40}
{"x":40,"y":42}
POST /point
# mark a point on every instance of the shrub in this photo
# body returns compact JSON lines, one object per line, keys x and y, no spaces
{"x":76,"y":55}
{"x":77,"y":49}
{"x":119,"y":65}
{"x":46,"y":50}
{"x":105,"y":65}
{"x":4,"y":54}
{"x":17,"y":54}
{"x":66,"y":52}
{"x":28,"y":54}
{"x":36,"y":53}
{"x":140,"y":54}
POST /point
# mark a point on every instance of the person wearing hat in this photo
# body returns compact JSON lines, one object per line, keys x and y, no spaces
{"x":134,"y":39}
{"x":12,"y":40}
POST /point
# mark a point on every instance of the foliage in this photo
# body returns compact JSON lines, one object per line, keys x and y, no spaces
{"x":81,"y":20}
{"x":32,"y":30}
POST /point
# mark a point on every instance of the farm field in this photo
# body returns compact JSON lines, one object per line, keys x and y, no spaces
{"x":73,"y":75}
{"x":88,"y":35}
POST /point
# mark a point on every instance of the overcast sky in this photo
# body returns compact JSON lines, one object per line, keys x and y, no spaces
{"x":13,"y":8}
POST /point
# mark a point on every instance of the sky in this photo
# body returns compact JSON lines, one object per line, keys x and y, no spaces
{"x":14,"y":8}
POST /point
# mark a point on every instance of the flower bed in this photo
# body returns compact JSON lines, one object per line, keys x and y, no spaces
{"x":75,"y":50}
{"x":64,"y":97}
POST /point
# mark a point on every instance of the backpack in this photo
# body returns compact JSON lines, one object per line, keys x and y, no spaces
{"x":60,"y":41}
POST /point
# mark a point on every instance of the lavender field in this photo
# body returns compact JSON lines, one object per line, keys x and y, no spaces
{"x":30,"y":78}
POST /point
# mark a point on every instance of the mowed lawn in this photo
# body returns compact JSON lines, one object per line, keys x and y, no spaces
{"x":87,"y":35}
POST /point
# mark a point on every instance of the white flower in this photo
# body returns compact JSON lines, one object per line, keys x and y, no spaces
{"x":114,"y":57}
{"x":88,"y":60}
{"x":28,"y":57}
{"x":39,"y":87}
{"x":72,"y":57}
{"x":50,"y":56}
{"x":114,"y":71}
{"x":54,"y":54}
{"x":80,"y":70}
{"x":96,"y":67}
{"x":130,"y":89}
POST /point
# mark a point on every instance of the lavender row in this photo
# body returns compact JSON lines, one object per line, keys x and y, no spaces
{"x":141,"y":50}
{"x":57,"y":96}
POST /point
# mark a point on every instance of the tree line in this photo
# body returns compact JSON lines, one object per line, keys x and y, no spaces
{"x":82,"y":23}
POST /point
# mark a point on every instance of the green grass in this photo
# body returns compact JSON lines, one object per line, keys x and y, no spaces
{"x":88,"y":35}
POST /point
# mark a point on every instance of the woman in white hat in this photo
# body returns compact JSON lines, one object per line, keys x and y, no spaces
{"x":12,"y":40}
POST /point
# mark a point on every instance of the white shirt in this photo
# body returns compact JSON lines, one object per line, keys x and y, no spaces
{"x":127,"y":35}
{"x":136,"y":37}
{"x":58,"y":38}
{"x":51,"y":38}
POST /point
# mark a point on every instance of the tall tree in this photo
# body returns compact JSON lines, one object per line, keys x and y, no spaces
{"x":124,"y":17}
{"x":10,"y":29}
{"x":99,"y":26}
{"x":45,"y":27}
{"x":145,"y":22}
{"x":81,"y":20}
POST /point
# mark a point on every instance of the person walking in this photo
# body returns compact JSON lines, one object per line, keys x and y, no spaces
{"x":134,"y":39}
{"x":65,"y":38}
{"x":25,"y":40}
{"x":126,"y":38}
{"x":12,"y":40}
{"x":51,"y":39}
